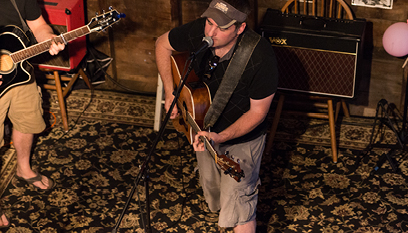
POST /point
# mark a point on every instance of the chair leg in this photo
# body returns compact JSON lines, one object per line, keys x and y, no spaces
{"x":346,"y":112}
{"x":159,"y":104}
{"x":74,"y":78}
{"x":345,"y":109}
{"x":338,"y":105}
{"x":85,"y":78}
{"x":274,"y":126}
{"x":70,"y":84}
{"x":332,"y":130}
{"x":61,"y":100}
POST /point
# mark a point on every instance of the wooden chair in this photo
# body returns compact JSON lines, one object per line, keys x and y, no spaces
{"x":62,"y":91}
{"x":321,"y":8}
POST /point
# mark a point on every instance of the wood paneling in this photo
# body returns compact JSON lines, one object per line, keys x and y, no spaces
{"x":131,"y":44}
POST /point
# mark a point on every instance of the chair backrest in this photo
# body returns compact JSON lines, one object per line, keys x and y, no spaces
{"x":322,"y":8}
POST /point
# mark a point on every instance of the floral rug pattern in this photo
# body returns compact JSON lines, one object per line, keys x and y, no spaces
{"x":96,"y":163}
{"x":95,"y":166}
{"x":104,"y":105}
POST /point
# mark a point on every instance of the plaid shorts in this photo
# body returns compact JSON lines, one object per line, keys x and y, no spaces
{"x":236,"y":200}
{"x":23,"y":106}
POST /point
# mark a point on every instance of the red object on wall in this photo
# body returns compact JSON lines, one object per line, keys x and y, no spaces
{"x":63,"y":16}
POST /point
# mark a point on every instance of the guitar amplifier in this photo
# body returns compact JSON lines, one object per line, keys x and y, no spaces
{"x":315,"y":54}
{"x":63,"y":16}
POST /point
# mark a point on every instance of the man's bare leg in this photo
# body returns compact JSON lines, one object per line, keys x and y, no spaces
{"x":249,"y":227}
{"x":23,"y":143}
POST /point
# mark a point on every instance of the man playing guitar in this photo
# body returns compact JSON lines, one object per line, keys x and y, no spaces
{"x":22,"y":103}
{"x":242,"y":62}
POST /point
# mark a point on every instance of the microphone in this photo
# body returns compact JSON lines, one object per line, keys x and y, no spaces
{"x":206,"y":43}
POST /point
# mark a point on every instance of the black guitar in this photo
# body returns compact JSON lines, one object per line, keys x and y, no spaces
{"x":15,"y":69}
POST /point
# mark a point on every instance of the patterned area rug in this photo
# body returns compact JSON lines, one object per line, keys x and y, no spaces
{"x":352,"y":133}
{"x":304,"y":191}
{"x":8,"y":165}
{"x":139,"y":110}
{"x":96,"y":164}
{"x":104,"y":105}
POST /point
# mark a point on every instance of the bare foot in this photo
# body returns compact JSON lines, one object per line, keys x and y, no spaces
{"x":4,"y":221}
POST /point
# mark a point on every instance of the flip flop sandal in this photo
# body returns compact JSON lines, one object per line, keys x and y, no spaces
{"x":38,"y":177}
{"x":1,"y":214}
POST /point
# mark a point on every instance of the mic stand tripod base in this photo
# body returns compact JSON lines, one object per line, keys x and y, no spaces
{"x":145,"y":177}
{"x":143,"y":173}
{"x":400,"y":145}
{"x":386,"y":156}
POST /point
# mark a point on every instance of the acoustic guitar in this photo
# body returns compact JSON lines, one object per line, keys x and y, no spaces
{"x":193,"y":103}
{"x":14,"y":66}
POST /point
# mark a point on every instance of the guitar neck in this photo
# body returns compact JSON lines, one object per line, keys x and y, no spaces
{"x":196,"y":129}
{"x":39,"y":48}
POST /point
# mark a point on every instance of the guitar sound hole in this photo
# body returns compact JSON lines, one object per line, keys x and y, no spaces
{"x":6,"y":63}
{"x":196,"y":85}
{"x":183,"y":124}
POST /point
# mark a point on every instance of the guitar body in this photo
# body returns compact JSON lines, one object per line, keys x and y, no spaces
{"x":194,"y":101}
{"x":195,"y":97}
{"x":13,"y":39}
{"x":14,"y":53}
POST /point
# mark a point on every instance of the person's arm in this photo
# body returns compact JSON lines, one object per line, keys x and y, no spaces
{"x":163,"y":61}
{"x":246,"y":123}
{"x":42,"y":32}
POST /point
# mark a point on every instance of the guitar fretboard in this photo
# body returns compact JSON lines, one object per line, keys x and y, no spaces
{"x":45,"y":46}
{"x":196,"y":129}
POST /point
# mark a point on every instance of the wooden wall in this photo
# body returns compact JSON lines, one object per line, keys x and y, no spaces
{"x":131,"y":44}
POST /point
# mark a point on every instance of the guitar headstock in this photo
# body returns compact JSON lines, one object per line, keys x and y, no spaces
{"x":102,"y":21}
{"x":230,"y":167}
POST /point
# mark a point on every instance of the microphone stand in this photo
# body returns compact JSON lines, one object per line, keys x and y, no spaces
{"x":143,"y":173}
{"x":402,"y":135}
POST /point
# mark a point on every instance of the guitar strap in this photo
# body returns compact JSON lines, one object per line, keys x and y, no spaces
{"x":231,"y":76}
{"x":26,"y":29}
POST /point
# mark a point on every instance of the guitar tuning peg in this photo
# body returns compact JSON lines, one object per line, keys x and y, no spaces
{"x":226,"y":152}
{"x":238,"y":161}
{"x":96,"y":13}
{"x":110,"y":8}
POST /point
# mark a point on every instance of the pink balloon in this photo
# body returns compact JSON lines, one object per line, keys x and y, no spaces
{"x":395,"y":39}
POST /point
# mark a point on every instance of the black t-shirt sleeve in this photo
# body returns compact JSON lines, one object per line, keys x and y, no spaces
{"x":264,"y":85}
{"x":32,"y":10}
{"x":265,"y":80}
{"x":29,"y":10}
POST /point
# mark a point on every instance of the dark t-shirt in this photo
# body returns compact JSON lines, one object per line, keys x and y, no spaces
{"x":258,"y":81}
{"x":29,"y":10}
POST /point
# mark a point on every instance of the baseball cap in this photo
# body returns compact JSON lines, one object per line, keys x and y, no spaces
{"x":224,"y":14}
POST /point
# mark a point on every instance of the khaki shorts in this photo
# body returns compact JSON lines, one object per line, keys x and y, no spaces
{"x":23,"y":106}
{"x":236,"y":200}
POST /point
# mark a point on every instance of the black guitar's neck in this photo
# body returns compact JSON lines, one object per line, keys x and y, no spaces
{"x":39,"y":48}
